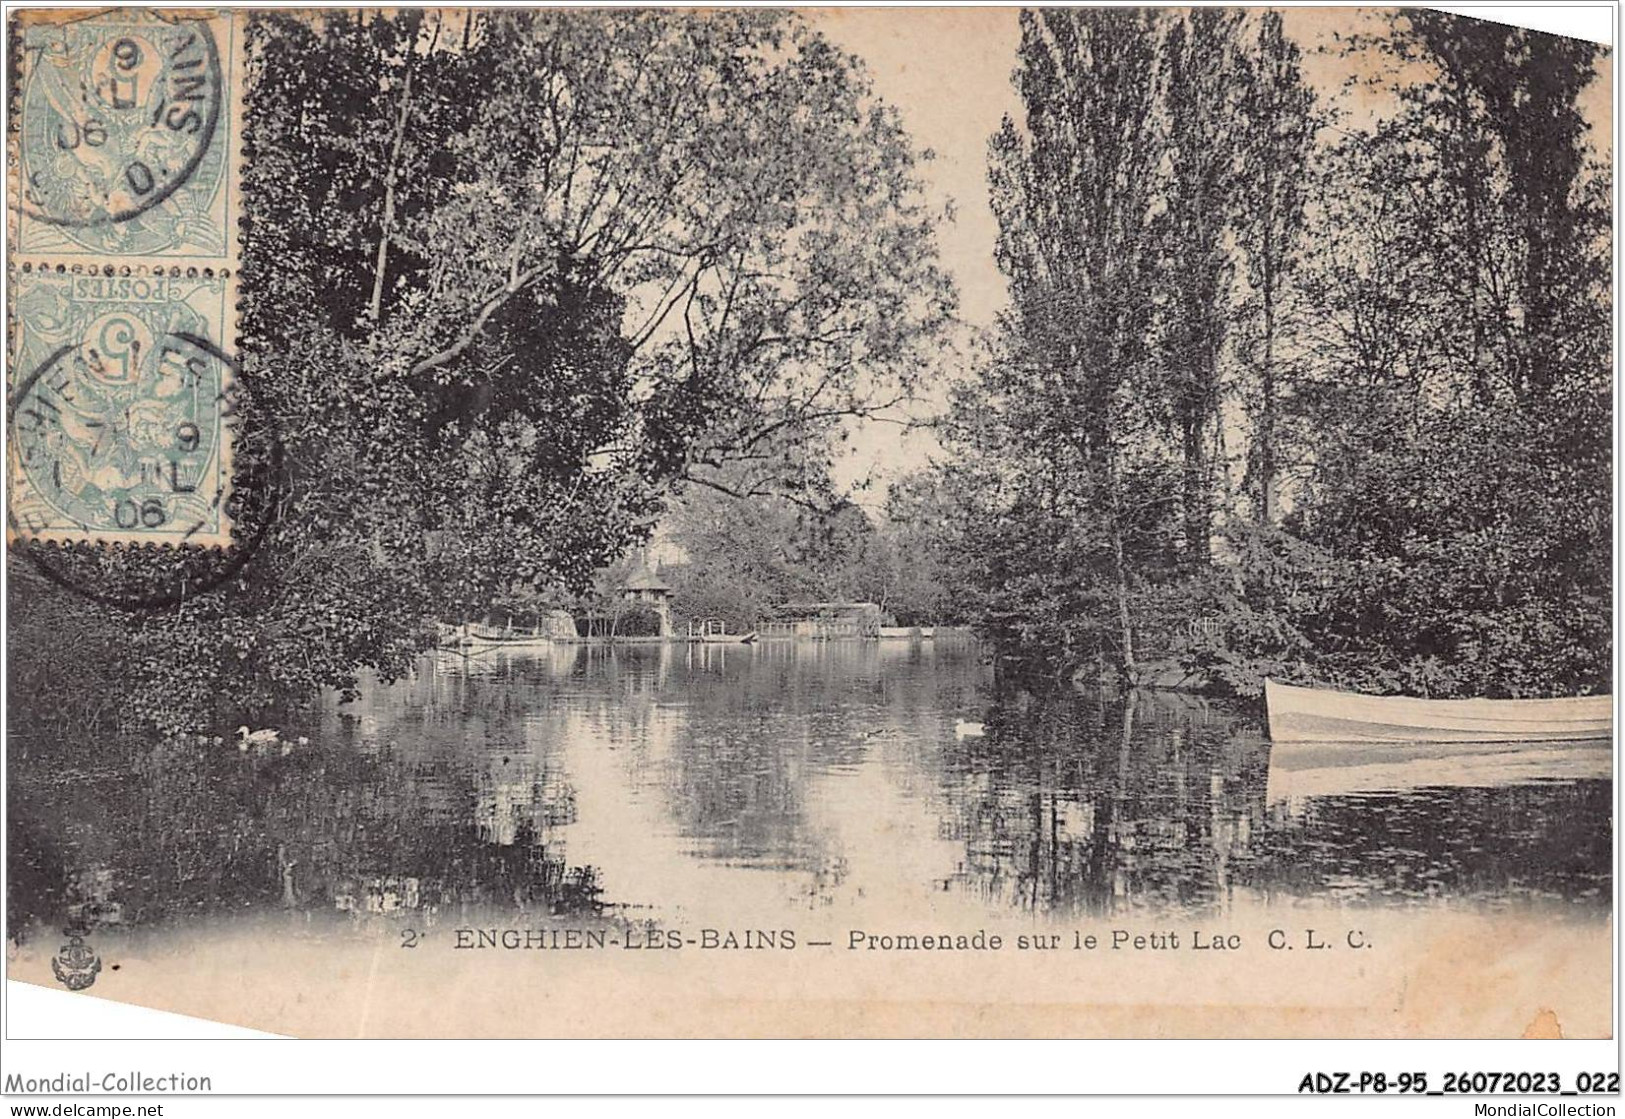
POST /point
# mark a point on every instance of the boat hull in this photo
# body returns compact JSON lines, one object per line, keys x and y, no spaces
{"x":1319,"y":715}
{"x":472,"y":642}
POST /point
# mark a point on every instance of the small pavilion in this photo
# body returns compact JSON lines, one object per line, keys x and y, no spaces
{"x":643,"y":586}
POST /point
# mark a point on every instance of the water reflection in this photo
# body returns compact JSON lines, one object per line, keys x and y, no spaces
{"x":672,"y":782}
{"x":1095,"y":803}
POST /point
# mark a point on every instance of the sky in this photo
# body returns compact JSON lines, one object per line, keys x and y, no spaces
{"x":948,"y":73}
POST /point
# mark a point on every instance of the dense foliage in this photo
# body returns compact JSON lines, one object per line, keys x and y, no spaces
{"x":506,"y":276}
{"x":744,"y":557}
{"x":1282,"y":392}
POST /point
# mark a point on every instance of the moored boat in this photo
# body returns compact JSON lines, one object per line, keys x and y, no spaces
{"x":510,"y":641}
{"x":714,"y":631}
{"x":482,"y":636}
{"x":1321,"y":715}
{"x":907,"y":633}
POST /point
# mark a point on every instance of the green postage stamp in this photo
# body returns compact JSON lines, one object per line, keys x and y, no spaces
{"x":122,"y":317}
{"x":124,"y":135}
{"x":121,"y":405}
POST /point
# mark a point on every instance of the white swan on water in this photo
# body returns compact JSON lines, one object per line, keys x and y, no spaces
{"x":267,"y":739}
{"x":256,"y":738}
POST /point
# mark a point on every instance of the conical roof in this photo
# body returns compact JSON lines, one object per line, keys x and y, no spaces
{"x":641,"y":578}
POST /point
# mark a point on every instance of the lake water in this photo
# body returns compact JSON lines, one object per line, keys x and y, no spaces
{"x":787,"y":782}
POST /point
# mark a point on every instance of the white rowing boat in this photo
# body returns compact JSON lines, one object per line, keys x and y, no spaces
{"x":1320,"y":715}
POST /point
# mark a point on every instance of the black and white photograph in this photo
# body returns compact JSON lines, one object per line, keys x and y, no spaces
{"x":778,"y":523}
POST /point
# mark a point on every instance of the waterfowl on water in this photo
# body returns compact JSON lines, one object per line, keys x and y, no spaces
{"x":259,"y":738}
{"x":267,"y":740}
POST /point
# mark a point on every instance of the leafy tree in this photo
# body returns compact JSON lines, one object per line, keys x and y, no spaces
{"x":1278,"y":121}
{"x":1074,"y":193}
{"x":1474,"y":511}
{"x":746,"y":556}
{"x":1196,"y":297}
{"x":742,"y":556}
{"x":1411,"y":317}
{"x":506,"y":276}
{"x":1505,"y":141}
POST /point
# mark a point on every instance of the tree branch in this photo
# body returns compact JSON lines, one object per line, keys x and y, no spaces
{"x":375,"y":306}
{"x":483,"y":315}
{"x":756,"y":491}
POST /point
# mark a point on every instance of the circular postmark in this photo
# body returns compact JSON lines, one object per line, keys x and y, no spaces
{"x":116,"y":115}
{"x":123,"y":434}
{"x":140,"y":577}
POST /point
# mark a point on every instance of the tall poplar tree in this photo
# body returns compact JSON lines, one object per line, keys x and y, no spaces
{"x":1074,"y":193}
{"x":1201,"y":105}
{"x":1278,"y":121}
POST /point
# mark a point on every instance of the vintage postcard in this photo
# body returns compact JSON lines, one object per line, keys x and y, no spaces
{"x":804,"y":523}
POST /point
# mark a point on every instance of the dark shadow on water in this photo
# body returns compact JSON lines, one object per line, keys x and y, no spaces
{"x":1094,"y":802}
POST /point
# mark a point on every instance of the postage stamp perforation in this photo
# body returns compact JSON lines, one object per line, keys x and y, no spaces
{"x":242,"y":64}
{"x":88,"y":549}
{"x":14,"y":100}
{"x":125,"y":268}
{"x":238,"y":100}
